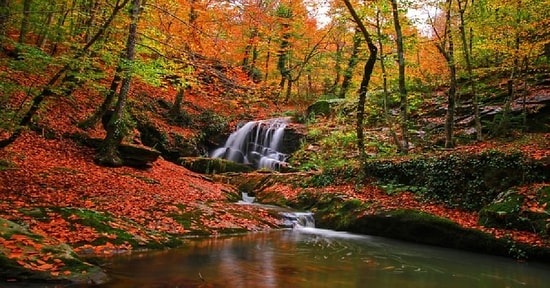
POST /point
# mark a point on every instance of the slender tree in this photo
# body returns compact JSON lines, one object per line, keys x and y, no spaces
{"x":352,"y":62}
{"x":25,"y":20}
{"x":462,"y":6}
{"x":4,"y":19}
{"x":402,"y":87}
{"x":387,"y":117}
{"x":369,"y":67}
{"x":445,"y":45}
{"x":107,"y":154}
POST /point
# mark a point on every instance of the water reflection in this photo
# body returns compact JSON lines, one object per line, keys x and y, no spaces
{"x":310,"y":257}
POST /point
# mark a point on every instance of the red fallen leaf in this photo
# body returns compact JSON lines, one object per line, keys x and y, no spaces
{"x":66,"y":272}
{"x":54,"y":273}
{"x":14,"y":255}
{"x":44,"y":267}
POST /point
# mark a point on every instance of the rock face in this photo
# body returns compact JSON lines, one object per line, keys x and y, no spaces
{"x":132,"y":155}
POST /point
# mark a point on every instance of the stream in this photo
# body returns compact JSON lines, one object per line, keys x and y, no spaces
{"x":311,"y":257}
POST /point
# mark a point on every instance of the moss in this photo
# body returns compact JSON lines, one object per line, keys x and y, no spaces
{"x":503,"y":212}
{"x":6,"y":165}
{"x":11,"y":269}
{"x":190,"y":220}
{"x":213,"y":165}
{"x":100,"y":222}
{"x":508,"y":212}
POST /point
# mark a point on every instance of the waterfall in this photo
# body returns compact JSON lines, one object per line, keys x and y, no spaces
{"x":256,"y":143}
{"x":298,"y":219}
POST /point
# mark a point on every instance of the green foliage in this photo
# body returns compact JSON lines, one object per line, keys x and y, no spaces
{"x":211,"y":124}
{"x":469,"y":181}
{"x":6,"y":164}
{"x":30,"y":54}
{"x":395,"y":188}
{"x":332,"y":176}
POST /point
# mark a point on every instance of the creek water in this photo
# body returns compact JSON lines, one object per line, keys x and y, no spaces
{"x":310,"y":257}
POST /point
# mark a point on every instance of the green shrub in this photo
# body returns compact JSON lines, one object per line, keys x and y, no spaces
{"x":469,"y":181}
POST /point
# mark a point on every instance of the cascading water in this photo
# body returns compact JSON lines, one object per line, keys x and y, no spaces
{"x":256,"y":143}
{"x":298,"y":219}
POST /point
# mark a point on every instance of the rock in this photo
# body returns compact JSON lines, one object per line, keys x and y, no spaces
{"x":321,"y":108}
{"x":138,"y":156}
{"x":212,"y":165}
{"x":141,"y":157}
{"x":73,"y":271}
{"x":508,"y":211}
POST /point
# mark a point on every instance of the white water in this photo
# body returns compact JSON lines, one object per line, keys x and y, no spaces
{"x":256,"y":143}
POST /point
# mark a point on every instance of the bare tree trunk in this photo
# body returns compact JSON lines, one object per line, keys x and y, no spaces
{"x":363,"y":88}
{"x":466,"y":50}
{"x":104,"y":107}
{"x":449,"y":121}
{"x":387,"y":117}
{"x":402,"y":87}
{"x":353,"y":60}
{"x":446,"y":47}
{"x":25,"y":20}
{"x":4,"y":19}
{"x":337,"y":69}
{"x":107,"y":154}
{"x":175,"y":110}
{"x":45,"y":29}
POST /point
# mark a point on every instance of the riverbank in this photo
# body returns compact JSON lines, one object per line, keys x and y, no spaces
{"x":52,"y":189}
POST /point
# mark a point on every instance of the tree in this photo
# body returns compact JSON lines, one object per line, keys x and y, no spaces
{"x":352,"y":62}
{"x":4,"y":19}
{"x":402,"y":87}
{"x":61,"y":76}
{"x":25,"y":20}
{"x":445,"y":45}
{"x":107,"y":154}
{"x":462,"y":6}
{"x":369,"y":67}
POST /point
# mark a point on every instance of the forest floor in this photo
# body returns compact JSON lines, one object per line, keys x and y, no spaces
{"x":50,"y":185}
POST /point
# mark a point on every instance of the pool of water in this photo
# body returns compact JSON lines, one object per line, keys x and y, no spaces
{"x":310,"y":257}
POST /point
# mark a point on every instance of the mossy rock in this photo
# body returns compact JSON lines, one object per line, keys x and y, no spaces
{"x":504,"y":212}
{"x":425,"y":228}
{"x":213,"y":165}
{"x":508,"y":212}
{"x":39,"y":259}
{"x":321,"y":107}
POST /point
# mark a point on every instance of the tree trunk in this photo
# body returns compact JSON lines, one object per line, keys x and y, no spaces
{"x":25,"y":20}
{"x":446,"y":48}
{"x":4,"y":20}
{"x":369,"y":67}
{"x":337,"y":69}
{"x":466,"y":51}
{"x":387,"y":117}
{"x":175,"y":110}
{"x":449,"y":121}
{"x":98,"y":114}
{"x":353,"y":60}
{"x":45,"y":29}
{"x":402,"y":87}
{"x":107,"y":154}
